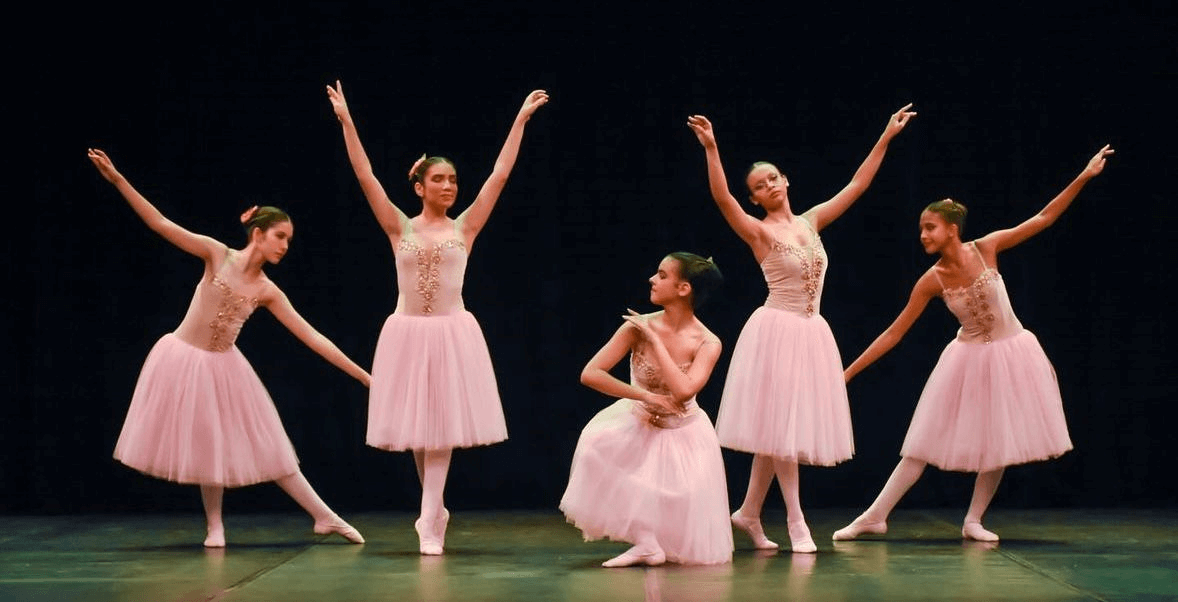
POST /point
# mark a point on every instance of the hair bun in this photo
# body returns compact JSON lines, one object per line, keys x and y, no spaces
{"x":249,"y":214}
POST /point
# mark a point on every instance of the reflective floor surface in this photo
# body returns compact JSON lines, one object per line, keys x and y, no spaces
{"x":1108,"y":555}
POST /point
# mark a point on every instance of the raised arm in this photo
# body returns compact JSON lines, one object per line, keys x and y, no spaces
{"x":1004,"y":239}
{"x":387,"y":214}
{"x":196,"y":244}
{"x":596,"y":374}
{"x":746,"y":226}
{"x":683,"y":385}
{"x":823,"y":214}
{"x":475,"y":216}
{"x":275,"y":300}
{"x":926,"y":288}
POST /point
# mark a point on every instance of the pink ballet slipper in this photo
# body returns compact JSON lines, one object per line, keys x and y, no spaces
{"x":975,"y":531}
{"x":440,"y":525}
{"x":428,"y":542}
{"x":339,"y":527}
{"x":860,"y":527}
{"x":215,"y":538}
{"x":637,"y":555}
{"x":799,"y":538}
{"x":752,"y":526}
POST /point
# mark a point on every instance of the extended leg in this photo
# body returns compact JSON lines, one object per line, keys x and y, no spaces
{"x":875,"y":518}
{"x":326,"y":521}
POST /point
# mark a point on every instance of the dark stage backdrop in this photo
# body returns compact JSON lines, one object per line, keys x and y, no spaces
{"x":217,"y":106}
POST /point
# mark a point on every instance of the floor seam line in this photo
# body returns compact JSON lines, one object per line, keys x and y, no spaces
{"x":254,"y":576}
{"x":1026,"y":564}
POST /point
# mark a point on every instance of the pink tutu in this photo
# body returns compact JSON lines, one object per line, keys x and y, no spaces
{"x":986,"y":406}
{"x":433,"y":386}
{"x":203,"y":417}
{"x":785,"y":395}
{"x":628,"y":476}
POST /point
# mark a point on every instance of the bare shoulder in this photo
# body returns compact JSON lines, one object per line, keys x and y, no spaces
{"x":928,"y":285}
{"x":707,"y":337}
{"x":268,"y":292}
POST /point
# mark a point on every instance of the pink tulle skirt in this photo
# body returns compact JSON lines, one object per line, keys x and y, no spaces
{"x":433,"y":386}
{"x":989,"y":405}
{"x":203,"y":417}
{"x":785,"y":395}
{"x":628,"y":477}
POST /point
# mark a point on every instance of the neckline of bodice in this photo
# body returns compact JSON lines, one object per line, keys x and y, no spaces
{"x":220,"y":283}
{"x":980,"y":278}
{"x":413,"y":242}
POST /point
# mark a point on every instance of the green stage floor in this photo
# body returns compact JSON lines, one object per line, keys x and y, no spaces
{"x":1044,"y":555}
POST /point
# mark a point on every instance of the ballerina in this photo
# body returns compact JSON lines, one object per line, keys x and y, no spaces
{"x":433,"y":385}
{"x":784,"y":399}
{"x":992,"y":400}
{"x":200,"y":414}
{"x":648,"y":469}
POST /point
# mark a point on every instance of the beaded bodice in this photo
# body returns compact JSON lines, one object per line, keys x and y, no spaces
{"x":215,"y":315}
{"x":982,"y":307}
{"x":795,"y":274}
{"x":430,"y":274}
{"x":645,"y":374}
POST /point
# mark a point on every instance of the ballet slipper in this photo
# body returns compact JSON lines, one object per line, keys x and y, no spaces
{"x":428,"y":543}
{"x":799,"y":538}
{"x":752,"y":526}
{"x":637,"y":555}
{"x":860,"y":527}
{"x":440,"y":524}
{"x":215,"y":538}
{"x":975,"y":531}
{"x":339,"y":527}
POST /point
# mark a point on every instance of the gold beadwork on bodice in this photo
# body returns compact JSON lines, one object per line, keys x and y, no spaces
{"x":232,"y":311}
{"x":647,"y":375}
{"x":812,"y":261}
{"x":975,"y":303}
{"x":428,"y":260}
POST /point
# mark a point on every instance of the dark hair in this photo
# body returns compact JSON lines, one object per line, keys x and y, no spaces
{"x":754,"y":166}
{"x":419,"y":174}
{"x":702,"y":274}
{"x":951,"y":211}
{"x":262,"y":218}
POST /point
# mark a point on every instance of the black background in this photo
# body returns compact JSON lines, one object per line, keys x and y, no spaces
{"x":209,"y":108}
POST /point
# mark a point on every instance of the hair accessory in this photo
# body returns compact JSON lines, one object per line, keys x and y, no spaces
{"x":416,"y":164}
{"x":249,"y":214}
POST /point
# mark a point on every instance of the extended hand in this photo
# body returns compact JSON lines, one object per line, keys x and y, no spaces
{"x":105,"y":166}
{"x":898,"y":120}
{"x":702,"y":129}
{"x":535,"y":100}
{"x":642,"y":324}
{"x":1096,"y":164}
{"x":339,"y":104}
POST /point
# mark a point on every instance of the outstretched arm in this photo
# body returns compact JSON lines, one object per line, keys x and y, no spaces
{"x":683,"y":385}
{"x":926,"y":288}
{"x":1004,"y":239}
{"x":746,"y":226}
{"x":476,"y":216}
{"x":823,"y":214}
{"x":596,"y":374}
{"x":275,"y":300}
{"x":202,"y":246}
{"x":387,"y":214}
